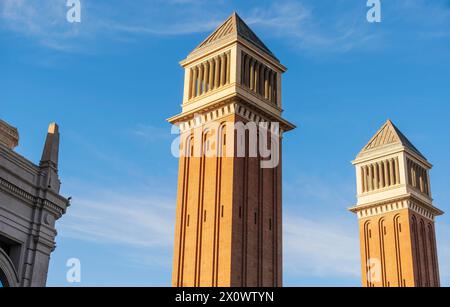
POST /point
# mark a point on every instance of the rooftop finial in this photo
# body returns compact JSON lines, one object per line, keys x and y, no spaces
{"x":53,"y":128}
{"x":51,"y":148}
{"x":49,"y":160}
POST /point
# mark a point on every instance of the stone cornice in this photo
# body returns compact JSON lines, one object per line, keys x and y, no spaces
{"x":31,"y":199}
{"x":396,"y":204}
{"x":225,"y":107}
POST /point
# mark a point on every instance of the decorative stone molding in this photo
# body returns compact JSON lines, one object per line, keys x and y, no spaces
{"x":382,"y":208}
{"x":226,"y":110}
{"x":18,"y":192}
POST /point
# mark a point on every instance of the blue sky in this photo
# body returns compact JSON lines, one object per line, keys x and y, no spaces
{"x":112,"y":80}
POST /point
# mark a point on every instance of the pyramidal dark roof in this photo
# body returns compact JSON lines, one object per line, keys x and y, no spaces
{"x":390,"y":134}
{"x":235,"y":25}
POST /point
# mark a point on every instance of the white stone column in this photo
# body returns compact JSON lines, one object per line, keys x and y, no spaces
{"x":188,"y":76}
{"x":381,"y":174}
{"x":228,"y":68}
{"x":223,"y":71}
{"x":270,"y":91}
{"x":257,"y":76}
{"x":375,"y":177}
{"x":392,"y":171}
{"x":266,"y":83}
{"x":279,"y":93}
{"x":216,"y":72}
{"x":397,"y":170}
{"x":205,"y":77}
{"x":387,"y":177}
{"x":252,"y":73}
{"x":261,"y":79}
{"x":428,"y":183}
{"x":195,"y":82}
{"x":200,"y":79}
{"x":246,"y":71}
{"x":364,"y":179}
{"x":211,"y":75}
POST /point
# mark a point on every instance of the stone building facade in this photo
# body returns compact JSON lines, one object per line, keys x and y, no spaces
{"x":228,"y":224}
{"x":396,"y":213}
{"x":30,"y":204}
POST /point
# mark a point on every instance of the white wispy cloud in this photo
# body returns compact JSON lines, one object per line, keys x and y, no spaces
{"x":119,"y":219}
{"x":320,"y":249}
{"x":304,"y":24}
{"x":299,"y":23}
{"x":306,"y":28}
{"x":144,"y":226}
{"x":187,"y":27}
{"x":141,"y":221}
{"x":42,"y":20}
{"x":320,"y":236}
{"x":45,"y":21}
{"x":152,"y":133}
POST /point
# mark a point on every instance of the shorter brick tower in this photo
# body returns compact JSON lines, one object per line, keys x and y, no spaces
{"x":396,"y":213}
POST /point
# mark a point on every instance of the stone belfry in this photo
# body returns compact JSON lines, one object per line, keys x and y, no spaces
{"x":396,"y":213}
{"x":228,"y":222}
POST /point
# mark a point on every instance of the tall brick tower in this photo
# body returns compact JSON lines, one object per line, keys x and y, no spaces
{"x":396,"y":213}
{"x":228,"y":221}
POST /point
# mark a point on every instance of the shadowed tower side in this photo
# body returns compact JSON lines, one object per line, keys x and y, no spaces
{"x":228,"y":222}
{"x":395,"y":213}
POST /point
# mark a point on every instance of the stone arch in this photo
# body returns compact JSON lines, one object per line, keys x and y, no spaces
{"x":8,"y":274}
